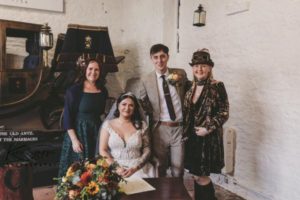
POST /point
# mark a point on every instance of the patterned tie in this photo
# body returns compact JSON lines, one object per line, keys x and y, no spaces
{"x":168,"y":98}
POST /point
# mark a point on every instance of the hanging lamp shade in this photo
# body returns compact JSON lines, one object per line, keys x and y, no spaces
{"x":46,"y":37}
{"x":87,"y":42}
{"x":199,"y":16}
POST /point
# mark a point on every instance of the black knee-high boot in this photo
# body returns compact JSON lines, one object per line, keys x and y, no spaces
{"x":209,"y":191}
{"x":197,"y":191}
{"x":204,"y":192}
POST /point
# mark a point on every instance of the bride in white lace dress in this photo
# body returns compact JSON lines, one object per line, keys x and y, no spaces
{"x":125,"y":140}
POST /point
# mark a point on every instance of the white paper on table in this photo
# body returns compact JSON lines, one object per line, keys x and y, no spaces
{"x":135,"y":185}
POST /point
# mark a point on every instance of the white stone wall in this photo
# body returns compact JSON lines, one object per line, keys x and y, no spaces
{"x":256,"y":55}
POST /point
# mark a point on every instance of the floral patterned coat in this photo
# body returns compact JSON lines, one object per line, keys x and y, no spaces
{"x":205,"y":155}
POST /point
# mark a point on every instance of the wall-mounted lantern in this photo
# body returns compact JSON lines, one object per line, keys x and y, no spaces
{"x":46,"y":37}
{"x":199,"y":16}
{"x":46,"y":40}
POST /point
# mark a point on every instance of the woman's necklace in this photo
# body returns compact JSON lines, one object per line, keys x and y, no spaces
{"x":201,"y":82}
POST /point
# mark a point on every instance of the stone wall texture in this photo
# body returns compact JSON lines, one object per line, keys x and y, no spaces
{"x":255,"y":46}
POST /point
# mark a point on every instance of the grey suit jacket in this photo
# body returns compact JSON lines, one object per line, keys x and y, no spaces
{"x":149,"y":95}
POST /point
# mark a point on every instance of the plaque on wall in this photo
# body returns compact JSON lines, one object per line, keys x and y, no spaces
{"x":50,"y":5}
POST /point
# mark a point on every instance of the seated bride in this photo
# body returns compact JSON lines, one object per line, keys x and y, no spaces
{"x":124,"y":139}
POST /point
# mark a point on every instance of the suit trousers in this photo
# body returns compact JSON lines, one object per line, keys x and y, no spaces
{"x":168,"y":148}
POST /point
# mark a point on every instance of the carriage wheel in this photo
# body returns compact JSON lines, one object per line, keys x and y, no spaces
{"x":51,"y":113}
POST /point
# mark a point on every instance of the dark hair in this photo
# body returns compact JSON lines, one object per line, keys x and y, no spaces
{"x":100,"y":82}
{"x":136,"y":117}
{"x":159,"y":47}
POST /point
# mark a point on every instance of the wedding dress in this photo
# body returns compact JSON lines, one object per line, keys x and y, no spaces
{"x":131,"y":153}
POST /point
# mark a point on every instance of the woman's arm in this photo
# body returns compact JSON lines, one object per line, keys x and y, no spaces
{"x":103,"y":147}
{"x":68,"y":111}
{"x":68,"y":121}
{"x":76,"y":145}
{"x":145,"y":147}
{"x":222,"y":113}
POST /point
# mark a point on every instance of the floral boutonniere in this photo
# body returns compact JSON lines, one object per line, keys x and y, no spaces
{"x":174,"y":79}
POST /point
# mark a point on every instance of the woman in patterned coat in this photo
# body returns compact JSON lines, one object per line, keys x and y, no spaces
{"x":206,"y":109}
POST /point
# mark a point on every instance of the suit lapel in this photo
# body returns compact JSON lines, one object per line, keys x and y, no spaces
{"x":152,"y":90}
{"x":178,"y":87}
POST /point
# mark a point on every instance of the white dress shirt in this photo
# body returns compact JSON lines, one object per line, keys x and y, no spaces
{"x":164,"y":113}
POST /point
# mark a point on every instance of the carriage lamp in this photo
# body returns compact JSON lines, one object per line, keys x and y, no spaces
{"x":199,"y":16}
{"x":46,"y":40}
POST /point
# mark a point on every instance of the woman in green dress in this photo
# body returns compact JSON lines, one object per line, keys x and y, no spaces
{"x":84,"y":104}
{"x":206,"y":109}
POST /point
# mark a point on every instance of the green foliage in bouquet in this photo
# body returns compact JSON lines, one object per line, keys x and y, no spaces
{"x":89,"y":180}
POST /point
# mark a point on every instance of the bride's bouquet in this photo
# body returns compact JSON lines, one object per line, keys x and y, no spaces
{"x":89,"y":180}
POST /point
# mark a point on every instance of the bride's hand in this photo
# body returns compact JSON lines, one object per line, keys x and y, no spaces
{"x":120,"y":171}
{"x":129,"y":172}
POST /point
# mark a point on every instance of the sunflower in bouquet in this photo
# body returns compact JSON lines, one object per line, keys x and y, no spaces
{"x":90,"y":179}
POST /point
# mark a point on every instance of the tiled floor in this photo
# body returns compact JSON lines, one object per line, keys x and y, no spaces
{"x":47,"y":193}
{"x":44,"y":193}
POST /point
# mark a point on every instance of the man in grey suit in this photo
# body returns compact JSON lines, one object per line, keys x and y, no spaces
{"x":162,"y":93}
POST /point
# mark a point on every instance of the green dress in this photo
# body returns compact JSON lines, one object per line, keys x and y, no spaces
{"x":88,"y":121}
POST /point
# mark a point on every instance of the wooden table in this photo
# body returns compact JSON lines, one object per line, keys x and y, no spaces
{"x":166,"y":189}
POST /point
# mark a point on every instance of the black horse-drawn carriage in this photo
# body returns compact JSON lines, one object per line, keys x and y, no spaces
{"x":22,"y":69}
{"x":27,"y":81}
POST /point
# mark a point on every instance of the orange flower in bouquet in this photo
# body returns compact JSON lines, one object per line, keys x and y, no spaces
{"x":86,"y":177}
{"x":92,"y":179}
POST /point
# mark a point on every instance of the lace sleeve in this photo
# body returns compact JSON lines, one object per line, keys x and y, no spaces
{"x":145,"y":147}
